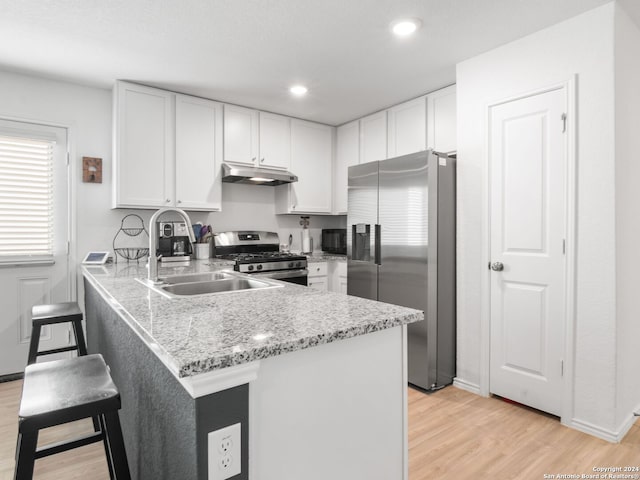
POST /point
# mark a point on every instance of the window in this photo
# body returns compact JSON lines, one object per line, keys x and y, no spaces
{"x":26,"y":197}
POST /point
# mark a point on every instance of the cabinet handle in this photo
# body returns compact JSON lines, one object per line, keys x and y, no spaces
{"x":168,"y":200}
{"x":179,"y":201}
{"x":262,"y":160}
{"x":253,"y":159}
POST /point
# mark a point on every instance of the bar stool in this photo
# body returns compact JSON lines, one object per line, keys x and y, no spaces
{"x":50,"y":314}
{"x":63,"y":391}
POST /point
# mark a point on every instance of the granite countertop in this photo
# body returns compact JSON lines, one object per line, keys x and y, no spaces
{"x":198,"y":334}
{"x":325,"y":257}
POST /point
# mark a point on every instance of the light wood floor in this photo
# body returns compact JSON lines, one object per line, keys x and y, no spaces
{"x":452,"y":434}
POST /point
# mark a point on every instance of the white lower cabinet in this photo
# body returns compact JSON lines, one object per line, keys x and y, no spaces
{"x":318,"y":276}
{"x":328,"y":276}
{"x":311,"y":155}
{"x":338,"y":276}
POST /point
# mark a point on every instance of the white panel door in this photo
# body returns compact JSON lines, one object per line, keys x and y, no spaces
{"x":198,"y":151}
{"x":25,"y":282}
{"x":528,"y":223}
{"x":373,"y":137}
{"x":407,"y":127}
{"x":275,"y":141}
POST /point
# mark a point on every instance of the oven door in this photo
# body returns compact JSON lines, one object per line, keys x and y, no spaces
{"x":299,"y":276}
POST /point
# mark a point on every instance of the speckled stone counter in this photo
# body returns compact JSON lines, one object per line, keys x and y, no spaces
{"x":326,"y":257}
{"x":198,"y":334}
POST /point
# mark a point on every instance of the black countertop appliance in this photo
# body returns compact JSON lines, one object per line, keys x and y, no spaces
{"x":334,"y":240}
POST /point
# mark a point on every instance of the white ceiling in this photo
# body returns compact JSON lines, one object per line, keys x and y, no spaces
{"x":250,"y":51}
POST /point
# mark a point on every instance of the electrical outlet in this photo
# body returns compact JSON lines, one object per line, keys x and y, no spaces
{"x":224,"y":449}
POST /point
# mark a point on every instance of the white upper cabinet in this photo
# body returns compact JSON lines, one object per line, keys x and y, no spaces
{"x":166,"y":148}
{"x":198,"y":153}
{"x":275,"y":141}
{"x":347,"y":154}
{"x":240,"y":135}
{"x":407,"y":127}
{"x":373,"y":137}
{"x":143,"y":147}
{"x":311,"y":161}
{"x":442,"y":123}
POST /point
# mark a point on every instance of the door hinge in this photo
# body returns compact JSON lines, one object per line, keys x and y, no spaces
{"x":562,"y":368}
{"x":564,"y":246}
{"x":563,"y":117}
{"x":67,"y":247}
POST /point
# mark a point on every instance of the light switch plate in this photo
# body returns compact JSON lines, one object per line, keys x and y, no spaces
{"x":224,"y":452}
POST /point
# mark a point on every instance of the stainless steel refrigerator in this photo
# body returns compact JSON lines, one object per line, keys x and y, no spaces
{"x":401,"y":250}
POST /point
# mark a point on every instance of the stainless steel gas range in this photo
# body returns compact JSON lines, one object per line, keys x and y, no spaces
{"x":258,"y":253}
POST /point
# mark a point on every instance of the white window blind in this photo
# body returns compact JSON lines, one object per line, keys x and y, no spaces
{"x":26,"y":197}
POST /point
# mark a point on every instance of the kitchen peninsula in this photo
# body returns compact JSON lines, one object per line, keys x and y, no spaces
{"x":317,"y":380}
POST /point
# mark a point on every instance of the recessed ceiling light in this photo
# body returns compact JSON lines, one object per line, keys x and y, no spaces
{"x":406,"y":26}
{"x":298,"y":90}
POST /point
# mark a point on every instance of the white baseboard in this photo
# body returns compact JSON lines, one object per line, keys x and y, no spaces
{"x":613,"y":436}
{"x":465,"y":385}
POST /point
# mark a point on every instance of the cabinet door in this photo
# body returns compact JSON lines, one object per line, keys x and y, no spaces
{"x":347,"y":154}
{"x":198,"y":150}
{"x":407,"y":127}
{"x":319,"y":283}
{"x":275,"y":141}
{"x":441,"y":131}
{"x":311,"y":161}
{"x":240,"y":135}
{"x":144,"y":148}
{"x":373,"y":137}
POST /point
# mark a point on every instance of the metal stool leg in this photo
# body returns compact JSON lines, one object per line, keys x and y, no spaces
{"x":118,"y":454}
{"x":26,"y":455}
{"x":33,"y":344}
{"x":107,"y":448}
{"x":79,"y":336}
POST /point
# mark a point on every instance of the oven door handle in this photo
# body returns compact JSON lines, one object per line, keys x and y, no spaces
{"x":279,"y":275}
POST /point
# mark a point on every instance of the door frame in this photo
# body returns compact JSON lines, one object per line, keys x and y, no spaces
{"x":570,"y":87}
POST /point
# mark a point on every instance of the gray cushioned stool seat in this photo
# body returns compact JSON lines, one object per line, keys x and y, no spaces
{"x":63,"y":391}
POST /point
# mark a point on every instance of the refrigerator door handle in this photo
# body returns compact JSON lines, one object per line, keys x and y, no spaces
{"x":377,"y":253}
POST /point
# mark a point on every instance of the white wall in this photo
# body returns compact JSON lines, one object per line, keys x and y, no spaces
{"x":581,"y":46}
{"x":627,"y":101}
{"x":87,"y":112}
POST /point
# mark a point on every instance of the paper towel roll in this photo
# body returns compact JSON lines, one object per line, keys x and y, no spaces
{"x":305,"y":241}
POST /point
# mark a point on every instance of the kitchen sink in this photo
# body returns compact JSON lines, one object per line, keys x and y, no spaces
{"x":215,"y":286}
{"x":196,"y":277}
{"x":209,"y":283}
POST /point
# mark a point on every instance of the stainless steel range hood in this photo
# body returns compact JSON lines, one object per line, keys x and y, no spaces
{"x":256,"y":176}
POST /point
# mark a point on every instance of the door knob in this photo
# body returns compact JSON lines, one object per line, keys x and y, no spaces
{"x":497,"y":266}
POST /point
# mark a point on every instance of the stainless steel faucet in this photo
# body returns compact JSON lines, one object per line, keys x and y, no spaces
{"x":153,"y":240}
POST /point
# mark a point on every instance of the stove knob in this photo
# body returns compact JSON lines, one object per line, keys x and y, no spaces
{"x":250,"y":267}
{"x":259,"y":267}
{"x":290,"y":264}
{"x":298,"y":264}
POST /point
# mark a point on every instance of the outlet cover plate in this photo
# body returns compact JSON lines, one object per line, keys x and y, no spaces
{"x":224,"y":452}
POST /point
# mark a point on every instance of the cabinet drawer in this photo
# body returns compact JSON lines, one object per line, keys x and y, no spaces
{"x":317,"y":269}
{"x":319,"y":283}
